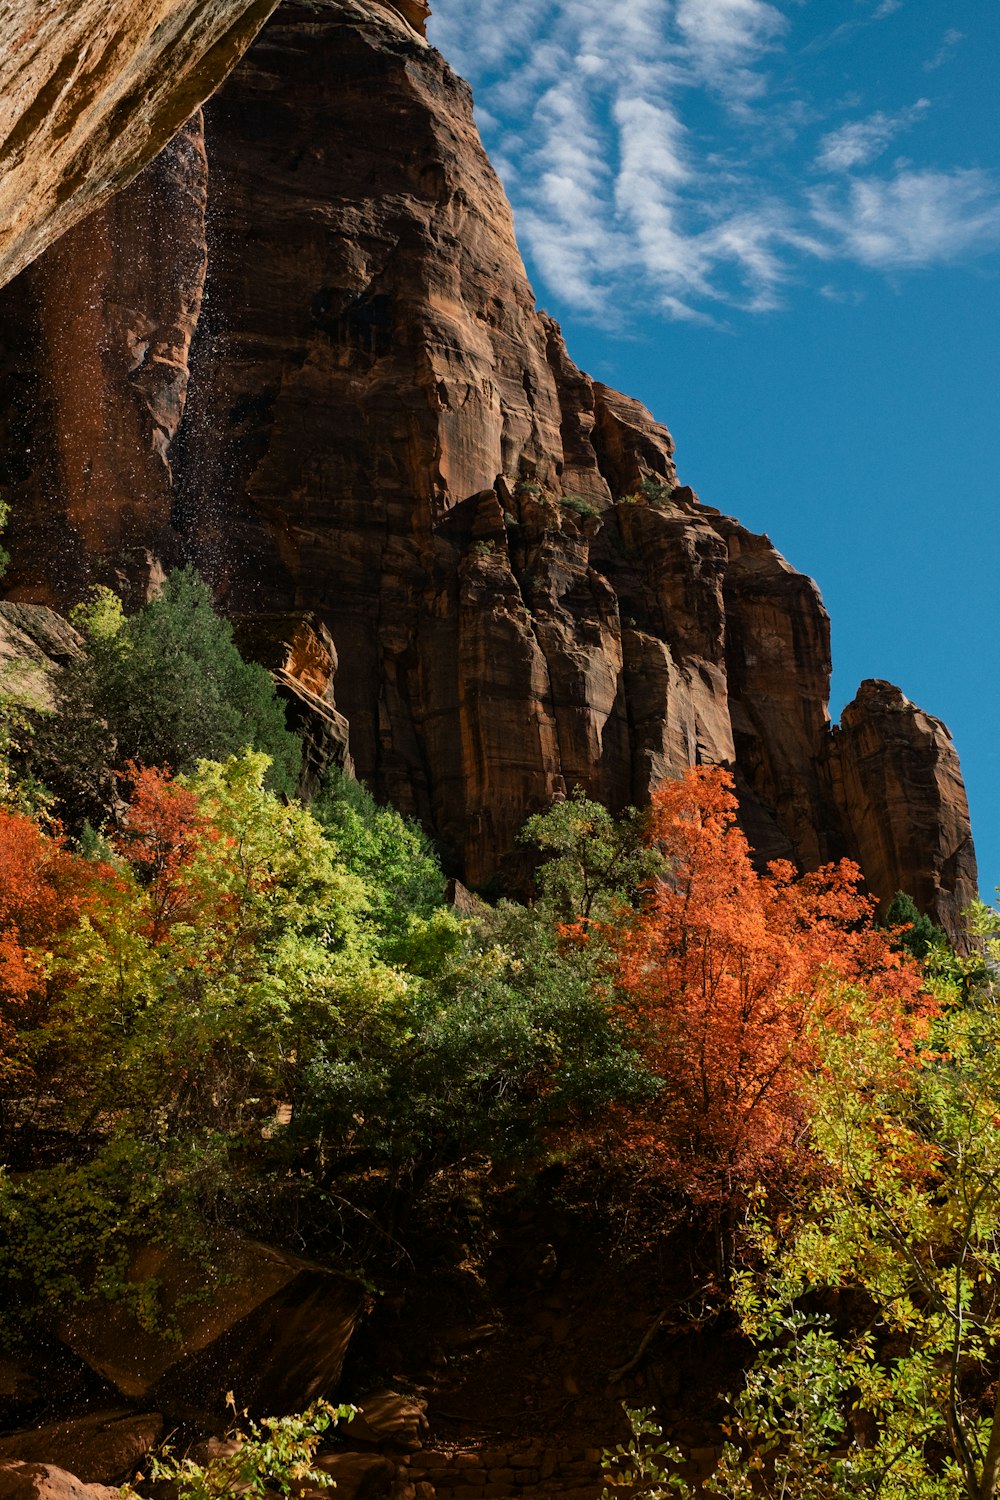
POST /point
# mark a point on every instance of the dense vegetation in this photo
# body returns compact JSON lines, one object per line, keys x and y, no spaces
{"x":219,"y":1009}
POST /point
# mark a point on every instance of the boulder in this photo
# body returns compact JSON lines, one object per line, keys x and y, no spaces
{"x":388,"y":1419}
{"x":19,"y":1481}
{"x":356,"y":1476}
{"x":101,"y":1448}
{"x":274,"y":1329}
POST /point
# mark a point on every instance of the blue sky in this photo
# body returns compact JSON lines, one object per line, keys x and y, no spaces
{"x":779,"y":226}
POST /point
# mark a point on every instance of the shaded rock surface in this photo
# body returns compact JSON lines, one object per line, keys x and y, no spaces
{"x":101,"y":1448}
{"x":275,"y":1333}
{"x":97,"y":372}
{"x":382,"y":432}
{"x":35,"y":642}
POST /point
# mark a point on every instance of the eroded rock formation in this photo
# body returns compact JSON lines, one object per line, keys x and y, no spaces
{"x":895,"y":773}
{"x":383,"y":431}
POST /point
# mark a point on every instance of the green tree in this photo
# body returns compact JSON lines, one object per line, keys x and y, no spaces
{"x":512,"y":1030}
{"x":163,"y":687}
{"x":215,"y":950}
{"x":918,"y":935}
{"x":591,"y":861}
{"x":389,"y":853}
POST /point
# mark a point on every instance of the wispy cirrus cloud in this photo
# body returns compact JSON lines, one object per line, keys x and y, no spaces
{"x":860,"y":141}
{"x":641,"y":143}
{"x":951,"y":39}
{"x":916,"y":218}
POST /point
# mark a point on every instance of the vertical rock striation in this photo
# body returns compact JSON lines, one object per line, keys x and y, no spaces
{"x":108,"y":317}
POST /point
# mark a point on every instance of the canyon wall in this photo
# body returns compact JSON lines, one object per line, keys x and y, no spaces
{"x":382,"y":430}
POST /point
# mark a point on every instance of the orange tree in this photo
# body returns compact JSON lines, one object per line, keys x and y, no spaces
{"x":722,"y":971}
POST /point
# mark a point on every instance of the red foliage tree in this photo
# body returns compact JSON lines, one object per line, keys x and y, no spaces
{"x":723,"y":971}
{"x":43,"y":889}
{"x":163,"y":834}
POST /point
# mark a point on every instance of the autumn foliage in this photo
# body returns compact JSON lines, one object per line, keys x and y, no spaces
{"x":726,"y":975}
{"x":43,"y":889}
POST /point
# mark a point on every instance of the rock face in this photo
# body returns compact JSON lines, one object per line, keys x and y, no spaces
{"x":895,"y":773}
{"x":383,"y":433}
{"x":106,"y":326}
{"x":89,"y":93}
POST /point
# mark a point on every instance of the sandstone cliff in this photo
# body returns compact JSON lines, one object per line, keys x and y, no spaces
{"x":381,"y":429}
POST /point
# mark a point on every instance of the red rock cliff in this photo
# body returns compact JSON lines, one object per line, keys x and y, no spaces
{"x":382,"y":429}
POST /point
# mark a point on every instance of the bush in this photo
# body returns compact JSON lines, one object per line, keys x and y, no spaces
{"x":579,"y":505}
{"x":275,"y":1456}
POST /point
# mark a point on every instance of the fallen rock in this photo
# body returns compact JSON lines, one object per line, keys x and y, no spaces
{"x":44,"y":1482}
{"x":388,"y":1419}
{"x":274,"y":1330}
{"x":356,"y":1476}
{"x":102,"y":1448}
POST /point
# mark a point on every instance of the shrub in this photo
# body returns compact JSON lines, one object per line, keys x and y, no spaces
{"x":656,"y":493}
{"x":274,"y":1456}
{"x":579,"y":505}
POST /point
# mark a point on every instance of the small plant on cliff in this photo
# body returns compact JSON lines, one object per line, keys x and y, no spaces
{"x":579,"y":505}
{"x":4,"y":518}
{"x":275,"y":1456}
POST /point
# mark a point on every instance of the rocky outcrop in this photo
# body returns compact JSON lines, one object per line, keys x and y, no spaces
{"x":896,"y":779}
{"x":89,"y":93}
{"x":34,"y":643}
{"x":383,"y":435}
{"x":299,"y":652}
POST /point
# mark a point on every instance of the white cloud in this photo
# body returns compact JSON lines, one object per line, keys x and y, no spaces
{"x":917,"y":218}
{"x":861,"y":141}
{"x":944,"y":53}
{"x":654,"y":153}
{"x":725,"y":38}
